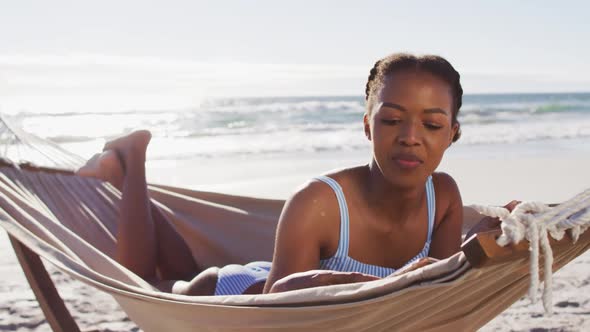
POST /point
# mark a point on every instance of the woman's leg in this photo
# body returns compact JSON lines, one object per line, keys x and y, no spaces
{"x":136,"y":232}
{"x":174,"y":257}
{"x":146,"y":241}
{"x":145,"y":238}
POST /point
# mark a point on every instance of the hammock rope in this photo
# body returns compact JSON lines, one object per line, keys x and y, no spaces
{"x":20,"y":147}
{"x":535,"y":222}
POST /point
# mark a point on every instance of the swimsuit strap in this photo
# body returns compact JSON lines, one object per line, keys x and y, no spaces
{"x":344,"y":219}
{"x":431,"y":204}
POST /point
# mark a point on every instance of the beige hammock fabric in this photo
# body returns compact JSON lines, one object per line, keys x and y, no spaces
{"x":71,"y":222}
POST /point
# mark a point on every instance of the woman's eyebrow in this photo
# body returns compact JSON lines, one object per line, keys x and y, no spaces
{"x":403,"y":109}
{"x":392,"y":105}
{"x":435,"y":110}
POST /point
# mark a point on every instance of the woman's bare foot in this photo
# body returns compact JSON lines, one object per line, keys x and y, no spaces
{"x":133,"y":145}
{"x":105,"y":166}
{"x":110,"y":164}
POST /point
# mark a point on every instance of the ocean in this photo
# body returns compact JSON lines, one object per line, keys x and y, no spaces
{"x":285,"y":125}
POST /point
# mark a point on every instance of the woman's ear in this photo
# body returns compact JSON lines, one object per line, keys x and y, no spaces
{"x":367,"y":125}
{"x":454,"y":131}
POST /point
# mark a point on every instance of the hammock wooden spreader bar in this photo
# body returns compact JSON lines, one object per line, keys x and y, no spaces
{"x":70,"y":221}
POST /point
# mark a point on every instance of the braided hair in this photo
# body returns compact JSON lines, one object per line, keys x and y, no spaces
{"x":432,"y":64}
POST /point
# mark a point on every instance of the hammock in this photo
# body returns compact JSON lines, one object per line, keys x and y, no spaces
{"x":71,"y":222}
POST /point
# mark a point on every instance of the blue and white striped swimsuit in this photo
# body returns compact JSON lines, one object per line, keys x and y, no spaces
{"x":234,"y":279}
{"x":344,"y":263}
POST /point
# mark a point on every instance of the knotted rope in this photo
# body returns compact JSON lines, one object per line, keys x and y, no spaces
{"x":536,"y":221}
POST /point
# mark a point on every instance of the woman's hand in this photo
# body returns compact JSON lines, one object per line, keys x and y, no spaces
{"x":510,"y":206}
{"x":414,"y":266}
{"x":489,"y":223}
{"x":316,"y":278}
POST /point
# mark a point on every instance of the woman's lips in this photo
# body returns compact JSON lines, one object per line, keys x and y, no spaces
{"x":407,"y":164}
{"x":407,"y":161}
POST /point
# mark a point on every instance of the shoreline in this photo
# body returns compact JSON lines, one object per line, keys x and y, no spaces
{"x":549,"y":172}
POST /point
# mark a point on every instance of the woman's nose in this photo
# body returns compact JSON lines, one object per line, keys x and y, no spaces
{"x":409,"y":133}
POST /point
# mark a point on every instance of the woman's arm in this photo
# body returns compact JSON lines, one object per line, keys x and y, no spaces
{"x":487,"y":223}
{"x":446,"y":239}
{"x":300,"y":232}
{"x":316,"y":278}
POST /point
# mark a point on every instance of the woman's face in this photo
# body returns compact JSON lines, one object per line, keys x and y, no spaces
{"x":410,"y":126}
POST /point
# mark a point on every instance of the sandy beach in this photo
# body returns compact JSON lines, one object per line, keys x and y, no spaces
{"x":486,"y":175}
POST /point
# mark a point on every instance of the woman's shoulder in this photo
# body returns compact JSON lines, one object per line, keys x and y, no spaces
{"x":316,"y":198}
{"x":312,"y":212}
{"x":317,"y":190}
{"x":445,"y":187}
{"x":448,"y":197}
{"x":444,"y":181}
{"x":347,"y":176}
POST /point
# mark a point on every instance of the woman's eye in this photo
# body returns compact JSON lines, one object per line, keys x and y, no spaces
{"x":432,"y":126}
{"x":390,"y":122}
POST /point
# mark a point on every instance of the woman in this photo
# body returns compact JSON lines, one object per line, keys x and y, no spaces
{"x":357,"y":224}
{"x":395,"y":210}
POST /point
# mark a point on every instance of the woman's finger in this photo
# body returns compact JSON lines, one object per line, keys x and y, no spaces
{"x":510,"y":206}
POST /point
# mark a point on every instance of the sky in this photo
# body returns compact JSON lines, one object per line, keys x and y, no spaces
{"x":154,"y":54}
